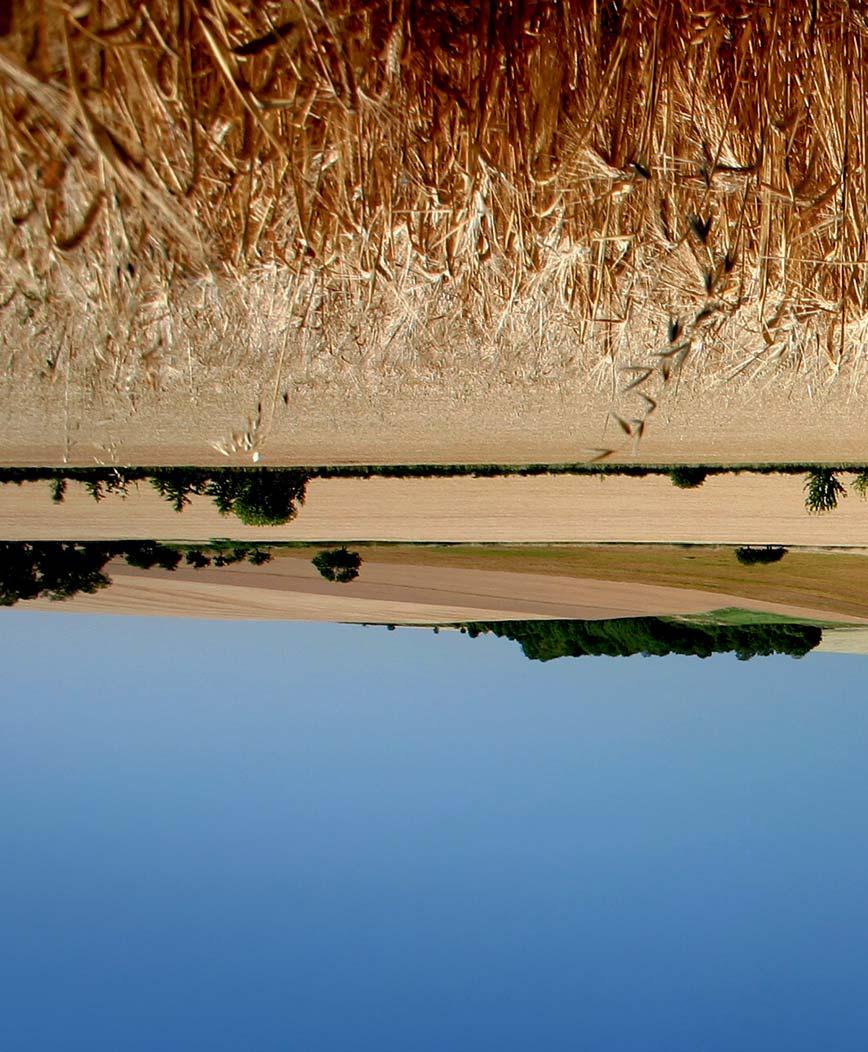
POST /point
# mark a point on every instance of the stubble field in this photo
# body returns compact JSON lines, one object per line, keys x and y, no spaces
{"x":391,"y":233}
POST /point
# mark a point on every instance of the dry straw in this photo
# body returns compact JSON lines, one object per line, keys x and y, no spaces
{"x":636,"y":191}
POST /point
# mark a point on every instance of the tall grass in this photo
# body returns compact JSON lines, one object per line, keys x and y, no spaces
{"x":633,"y":192}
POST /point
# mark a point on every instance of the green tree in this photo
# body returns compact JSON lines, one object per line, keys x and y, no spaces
{"x":147,"y":554}
{"x":338,"y":565}
{"x":651,"y":636}
{"x":51,"y":569}
{"x":755,"y":556}
{"x":267,"y":498}
{"x":687,"y":477}
{"x":823,"y":490}
{"x":178,"y":485}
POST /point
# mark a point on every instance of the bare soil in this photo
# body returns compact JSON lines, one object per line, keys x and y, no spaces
{"x":290,"y":589}
{"x":742,"y":509}
{"x":472,"y":414}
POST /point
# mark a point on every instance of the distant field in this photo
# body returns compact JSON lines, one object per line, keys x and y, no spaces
{"x":743,"y":509}
{"x":826,"y":580}
{"x":420,"y":584}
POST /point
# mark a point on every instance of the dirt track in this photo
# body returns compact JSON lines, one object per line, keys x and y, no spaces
{"x":731,"y":509}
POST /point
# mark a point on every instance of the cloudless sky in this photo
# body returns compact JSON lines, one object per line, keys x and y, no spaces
{"x":322,"y":837}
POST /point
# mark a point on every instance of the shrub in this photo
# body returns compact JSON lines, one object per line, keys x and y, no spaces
{"x":145,"y":555}
{"x":754,"y":556}
{"x":823,"y":490}
{"x":198,"y":559}
{"x":687,"y":478}
{"x":264,"y":498}
{"x":338,"y":565}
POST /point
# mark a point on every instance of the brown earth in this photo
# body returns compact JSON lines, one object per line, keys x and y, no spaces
{"x":741,"y":509}
{"x":469,"y":417}
{"x":290,"y":589}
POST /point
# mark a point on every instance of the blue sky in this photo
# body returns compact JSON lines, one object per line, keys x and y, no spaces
{"x":324,"y":837}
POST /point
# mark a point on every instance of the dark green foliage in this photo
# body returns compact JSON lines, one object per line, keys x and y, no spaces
{"x":197,"y":559}
{"x":860,"y":483}
{"x":147,"y":554}
{"x":177,"y":485}
{"x":755,"y":556}
{"x":622,"y":637}
{"x":823,"y":490}
{"x":230,"y":556}
{"x":268,"y":498}
{"x":61,"y":569}
{"x":51,"y":569}
{"x":338,"y":565}
{"x":114,"y":482}
{"x":225,"y":553}
{"x":688,"y":477}
{"x":223,"y":489}
{"x":257,"y":496}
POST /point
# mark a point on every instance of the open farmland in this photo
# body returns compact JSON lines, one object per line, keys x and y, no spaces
{"x":420,"y":585}
{"x":731,"y":509}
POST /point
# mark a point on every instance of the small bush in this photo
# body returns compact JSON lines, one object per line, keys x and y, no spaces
{"x":823,"y":490}
{"x":687,"y":478}
{"x":198,"y":559}
{"x":338,"y":565}
{"x":145,"y":555}
{"x":758,"y":556}
{"x":264,"y":499}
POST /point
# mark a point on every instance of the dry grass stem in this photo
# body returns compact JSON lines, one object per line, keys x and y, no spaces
{"x":438,"y":194}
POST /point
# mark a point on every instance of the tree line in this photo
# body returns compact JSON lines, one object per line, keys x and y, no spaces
{"x":272,"y":496}
{"x":256,"y":496}
{"x":650,"y":636}
{"x":61,"y":569}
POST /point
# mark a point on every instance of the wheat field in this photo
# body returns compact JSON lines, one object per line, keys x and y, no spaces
{"x":387,"y":228}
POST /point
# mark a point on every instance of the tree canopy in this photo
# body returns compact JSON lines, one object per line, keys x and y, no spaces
{"x":338,"y":565}
{"x":622,"y":637}
{"x":61,"y":569}
{"x":751,"y":556}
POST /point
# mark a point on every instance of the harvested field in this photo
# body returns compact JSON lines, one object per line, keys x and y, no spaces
{"x":391,"y":232}
{"x":844,"y":641}
{"x":406,"y":593}
{"x":744,"y":509}
{"x":832,"y":581}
